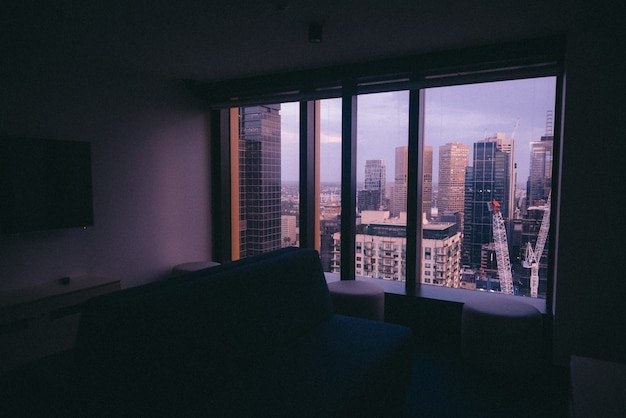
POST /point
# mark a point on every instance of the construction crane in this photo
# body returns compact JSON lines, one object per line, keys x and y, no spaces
{"x":533,"y":256}
{"x":515,"y":128}
{"x":502,"y":249}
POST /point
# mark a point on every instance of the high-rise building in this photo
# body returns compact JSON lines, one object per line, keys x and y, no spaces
{"x":368,"y":200}
{"x":540,"y":174}
{"x":398,"y":201}
{"x":491,"y":177}
{"x":259,"y":179}
{"x":453,"y":159}
{"x":375,"y":184}
{"x":380,"y":251}
{"x":289,"y":230}
{"x":427,"y":181}
{"x":328,"y":228}
{"x":441,"y":258}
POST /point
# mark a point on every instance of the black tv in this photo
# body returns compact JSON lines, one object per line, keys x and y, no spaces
{"x":45,"y":184}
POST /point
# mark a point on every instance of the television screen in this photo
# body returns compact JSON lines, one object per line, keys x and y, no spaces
{"x":45,"y":184}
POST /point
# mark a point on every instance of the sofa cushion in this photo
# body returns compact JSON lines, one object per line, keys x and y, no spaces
{"x":345,"y":367}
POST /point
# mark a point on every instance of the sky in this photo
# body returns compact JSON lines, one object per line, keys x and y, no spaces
{"x":466,"y":114}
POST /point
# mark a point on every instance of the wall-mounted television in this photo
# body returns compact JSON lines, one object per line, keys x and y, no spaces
{"x":45,"y":184}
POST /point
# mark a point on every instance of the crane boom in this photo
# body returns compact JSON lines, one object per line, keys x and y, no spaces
{"x":533,"y":256}
{"x":502,"y":249}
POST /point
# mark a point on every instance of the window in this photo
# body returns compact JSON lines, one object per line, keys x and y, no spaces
{"x":450,"y":172}
{"x":330,"y":144}
{"x":492,"y":144}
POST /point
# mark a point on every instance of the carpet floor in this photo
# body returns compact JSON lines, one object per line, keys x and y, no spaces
{"x":441,"y":387}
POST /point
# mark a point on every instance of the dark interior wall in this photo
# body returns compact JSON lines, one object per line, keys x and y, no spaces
{"x":591,"y":286}
{"x":150,"y":171}
{"x":151,"y":179}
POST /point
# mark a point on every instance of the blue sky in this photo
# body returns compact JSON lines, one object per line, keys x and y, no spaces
{"x":466,"y":114}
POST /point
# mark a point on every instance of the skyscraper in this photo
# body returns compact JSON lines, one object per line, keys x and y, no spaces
{"x":399,"y":194}
{"x":453,"y":159}
{"x":540,"y":174}
{"x":375,"y":183}
{"x":427,"y":181}
{"x":398,"y":202}
{"x":259,"y":179}
{"x":491,"y":177}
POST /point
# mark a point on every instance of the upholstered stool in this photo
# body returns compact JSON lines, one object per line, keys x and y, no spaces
{"x":501,"y":335}
{"x":193,"y":266}
{"x":358,"y":298}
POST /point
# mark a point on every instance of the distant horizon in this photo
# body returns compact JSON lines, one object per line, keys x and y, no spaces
{"x":518,"y":186}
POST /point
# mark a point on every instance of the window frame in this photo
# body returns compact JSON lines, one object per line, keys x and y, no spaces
{"x":508,"y":61}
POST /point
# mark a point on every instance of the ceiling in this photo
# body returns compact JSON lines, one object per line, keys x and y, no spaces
{"x":216,"y":40}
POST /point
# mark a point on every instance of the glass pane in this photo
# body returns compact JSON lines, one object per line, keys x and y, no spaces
{"x":330,"y":184}
{"x":266,"y":178}
{"x":491,"y":146}
{"x":382,"y":151}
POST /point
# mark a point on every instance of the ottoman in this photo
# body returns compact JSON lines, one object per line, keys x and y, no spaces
{"x":358,"y":298}
{"x":192,"y":266}
{"x":501,"y":335}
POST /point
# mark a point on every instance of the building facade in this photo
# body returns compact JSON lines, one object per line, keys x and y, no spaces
{"x":375,"y":192}
{"x":427,"y":181}
{"x":289,"y":230}
{"x":259,"y":179}
{"x":540,"y":174}
{"x":453,"y":159}
{"x":398,"y":200}
{"x":381,"y":250}
{"x":441,"y":254}
{"x":490,"y":177}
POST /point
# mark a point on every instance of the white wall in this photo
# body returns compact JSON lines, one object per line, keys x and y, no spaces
{"x":150,"y":171}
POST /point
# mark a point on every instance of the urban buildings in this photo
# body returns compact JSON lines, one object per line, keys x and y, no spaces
{"x":457,"y":237}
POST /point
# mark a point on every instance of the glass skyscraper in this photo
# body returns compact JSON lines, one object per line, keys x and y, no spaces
{"x":540,"y":176}
{"x":489,"y":178}
{"x":259,"y":179}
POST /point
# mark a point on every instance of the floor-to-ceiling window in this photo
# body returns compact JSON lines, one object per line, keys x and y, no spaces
{"x":444,"y":181}
{"x":381,"y":172}
{"x":491,"y":146}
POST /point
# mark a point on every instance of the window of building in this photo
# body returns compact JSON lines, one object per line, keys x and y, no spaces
{"x":452,"y":167}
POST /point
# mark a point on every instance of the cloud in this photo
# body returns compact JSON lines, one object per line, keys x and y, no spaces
{"x":327,"y":138}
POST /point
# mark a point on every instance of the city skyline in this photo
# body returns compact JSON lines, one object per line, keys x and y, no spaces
{"x":465,"y":114}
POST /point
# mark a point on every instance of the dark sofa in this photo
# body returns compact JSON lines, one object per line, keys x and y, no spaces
{"x":251,"y":338}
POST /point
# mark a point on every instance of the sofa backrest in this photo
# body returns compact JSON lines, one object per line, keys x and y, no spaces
{"x":199,"y":335}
